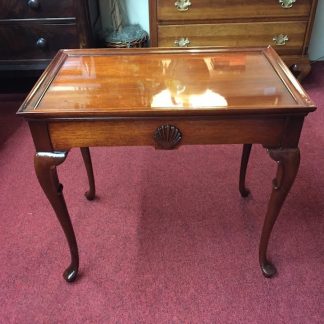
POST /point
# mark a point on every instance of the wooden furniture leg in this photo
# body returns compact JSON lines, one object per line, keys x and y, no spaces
{"x":244,"y":162}
{"x":45,"y":166}
{"x":301,"y":70}
{"x":288,"y":164}
{"x":91,"y":193}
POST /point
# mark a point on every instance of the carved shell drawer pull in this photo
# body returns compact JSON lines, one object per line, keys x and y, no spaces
{"x":182,"y":42}
{"x":281,"y":39}
{"x":182,"y":5}
{"x":167,"y":137}
{"x":287,"y":3}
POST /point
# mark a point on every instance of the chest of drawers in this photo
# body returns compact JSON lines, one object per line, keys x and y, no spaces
{"x":32,"y":31}
{"x":284,"y":24}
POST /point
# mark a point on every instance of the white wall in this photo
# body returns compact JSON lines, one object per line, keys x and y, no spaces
{"x":316,"y":45}
{"x":138,"y":13}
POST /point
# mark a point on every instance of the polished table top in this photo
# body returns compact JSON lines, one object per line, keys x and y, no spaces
{"x":156,"y":82}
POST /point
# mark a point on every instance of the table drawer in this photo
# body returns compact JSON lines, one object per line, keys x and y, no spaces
{"x":235,"y":35}
{"x":224,"y":9}
{"x":21,"y":9}
{"x":24,"y":40}
{"x":65,"y":135}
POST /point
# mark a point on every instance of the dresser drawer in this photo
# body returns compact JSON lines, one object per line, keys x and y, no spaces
{"x":235,"y":35}
{"x":19,"y":9}
{"x":224,"y":9}
{"x":23,"y":40}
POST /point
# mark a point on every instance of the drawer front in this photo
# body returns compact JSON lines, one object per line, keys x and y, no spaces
{"x":35,"y":41}
{"x":268,"y":131}
{"x":236,"y":35}
{"x":224,"y":9}
{"x":18,"y":9}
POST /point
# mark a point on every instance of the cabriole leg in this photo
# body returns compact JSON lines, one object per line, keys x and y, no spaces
{"x":244,"y":162}
{"x":288,"y":164}
{"x":45,"y":167}
{"x":91,"y":193}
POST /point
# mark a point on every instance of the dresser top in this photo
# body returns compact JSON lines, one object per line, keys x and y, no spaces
{"x":157,"y":82}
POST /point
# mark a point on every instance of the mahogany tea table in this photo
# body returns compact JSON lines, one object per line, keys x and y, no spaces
{"x":166,"y":98}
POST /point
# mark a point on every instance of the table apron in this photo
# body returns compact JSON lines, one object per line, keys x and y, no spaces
{"x":138,"y":132}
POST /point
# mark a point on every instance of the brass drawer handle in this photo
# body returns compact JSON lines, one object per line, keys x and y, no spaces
{"x":281,"y":39}
{"x":34,"y":4}
{"x":41,"y":43}
{"x":182,"y":5}
{"x":287,"y":3}
{"x":182,"y":42}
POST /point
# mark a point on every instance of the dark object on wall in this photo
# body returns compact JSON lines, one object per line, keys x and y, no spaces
{"x":119,"y":33}
{"x":31,"y":32}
